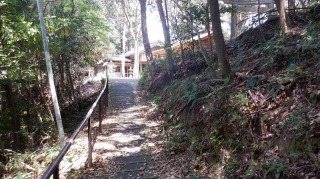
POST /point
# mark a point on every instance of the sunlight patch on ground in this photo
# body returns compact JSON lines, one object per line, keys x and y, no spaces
{"x":130,"y":149}
{"x":124,"y":138}
{"x":105,"y":146}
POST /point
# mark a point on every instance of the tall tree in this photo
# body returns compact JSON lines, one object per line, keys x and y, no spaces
{"x":134,"y":27}
{"x":145,"y":36}
{"x":166,"y":34}
{"x":50,"y":75}
{"x":282,"y":16}
{"x":219,"y":39}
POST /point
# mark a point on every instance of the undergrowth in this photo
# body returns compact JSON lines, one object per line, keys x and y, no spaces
{"x":29,"y":164}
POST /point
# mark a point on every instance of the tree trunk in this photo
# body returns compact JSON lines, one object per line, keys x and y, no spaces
{"x":123,"y":70}
{"x":219,"y":39}
{"x":234,"y":19}
{"x":263,"y":39}
{"x":292,"y":6}
{"x":136,"y":57}
{"x":167,"y":41}
{"x":145,"y":37}
{"x":206,"y":57}
{"x":135,"y":35}
{"x":209,"y":32}
{"x":282,"y":16}
{"x":50,"y":75}
{"x":71,"y":85}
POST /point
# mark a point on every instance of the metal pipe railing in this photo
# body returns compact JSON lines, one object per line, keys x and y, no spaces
{"x":53,"y":169}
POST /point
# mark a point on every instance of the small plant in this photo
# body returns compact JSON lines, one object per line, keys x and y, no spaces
{"x":253,"y":169}
{"x":240,"y":99}
{"x":155,"y":100}
{"x":195,"y":143}
{"x":253,"y":81}
{"x":194,"y":176}
{"x":275,"y":167}
{"x":230,"y":169}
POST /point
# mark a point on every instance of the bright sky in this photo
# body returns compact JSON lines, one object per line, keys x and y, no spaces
{"x":154,"y":27}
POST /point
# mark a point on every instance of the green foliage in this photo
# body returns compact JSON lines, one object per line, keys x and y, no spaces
{"x":311,"y":39}
{"x":77,"y":35}
{"x":227,"y":9}
{"x":177,"y":141}
{"x":240,"y":99}
{"x":195,"y":143}
{"x":144,"y":80}
{"x":156,"y":100}
{"x":271,"y":49}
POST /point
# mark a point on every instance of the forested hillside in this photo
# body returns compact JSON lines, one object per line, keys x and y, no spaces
{"x":262,"y":121}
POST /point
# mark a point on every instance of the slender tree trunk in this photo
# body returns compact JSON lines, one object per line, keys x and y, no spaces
{"x":282,"y":16}
{"x":136,"y":57}
{"x":135,"y":35}
{"x":192,"y":39}
{"x":208,"y":30}
{"x":180,"y":37}
{"x":182,"y":52}
{"x":167,"y":15}
{"x":292,"y":6}
{"x":71,"y":85}
{"x":233,"y":28}
{"x":263,"y":39}
{"x":145,"y":37}
{"x":206,"y":57}
{"x":209,"y":60}
{"x":123,"y":70}
{"x":50,"y":75}
{"x":219,"y":39}
{"x":167,"y":41}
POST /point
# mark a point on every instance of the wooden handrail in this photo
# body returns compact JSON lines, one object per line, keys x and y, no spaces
{"x":53,"y":169}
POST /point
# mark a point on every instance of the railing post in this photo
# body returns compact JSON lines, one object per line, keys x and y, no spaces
{"x":56,"y":173}
{"x":105,"y":104}
{"x":89,"y":143}
{"x":107,"y":93}
{"x":100,"y":112}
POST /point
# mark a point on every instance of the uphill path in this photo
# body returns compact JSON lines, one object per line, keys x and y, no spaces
{"x":124,"y":149}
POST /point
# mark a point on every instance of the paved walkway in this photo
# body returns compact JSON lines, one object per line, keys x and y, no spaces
{"x":123,"y":149}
